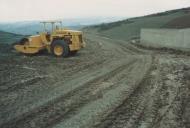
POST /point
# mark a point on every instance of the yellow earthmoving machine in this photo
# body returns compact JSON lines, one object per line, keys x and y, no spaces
{"x":59,"y":42}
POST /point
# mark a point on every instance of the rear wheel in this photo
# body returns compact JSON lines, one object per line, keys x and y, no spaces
{"x":60,"y":48}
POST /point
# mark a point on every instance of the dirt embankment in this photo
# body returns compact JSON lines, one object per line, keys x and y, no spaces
{"x":110,"y":83}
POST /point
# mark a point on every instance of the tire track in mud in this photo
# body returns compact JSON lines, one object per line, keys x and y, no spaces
{"x":131,"y":110}
{"x":82,"y":68}
{"x":127,"y":47}
{"x":50,"y":113}
{"x":14,"y":109}
{"x":124,"y":45}
{"x":22,"y":84}
{"x":154,"y":112}
{"x":175,"y":106}
{"x":92,"y":113}
{"x":160,"y":118}
{"x":121,"y":49}
{"x":89,"y":96}
{"x":31,"y":81}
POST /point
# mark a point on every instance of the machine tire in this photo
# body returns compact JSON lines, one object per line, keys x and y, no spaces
{"x":61,"y":44}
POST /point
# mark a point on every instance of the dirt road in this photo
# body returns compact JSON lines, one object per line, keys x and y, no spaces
{"x":110,"y":83}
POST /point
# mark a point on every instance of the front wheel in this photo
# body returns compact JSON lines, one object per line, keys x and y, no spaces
{"x":60,"y":48}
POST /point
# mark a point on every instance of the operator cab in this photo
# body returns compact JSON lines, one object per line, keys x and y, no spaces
{"x":47,"y":32}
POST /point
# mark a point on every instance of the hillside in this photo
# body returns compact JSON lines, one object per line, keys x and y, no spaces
{"x":130,"y":28}
{"x":180,"y":22}
{"x":8,"y":38}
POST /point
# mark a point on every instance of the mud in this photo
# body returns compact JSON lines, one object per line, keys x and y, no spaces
{"x":111,"y":83}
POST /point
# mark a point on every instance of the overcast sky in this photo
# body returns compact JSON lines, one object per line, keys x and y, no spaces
{"x":18,"y":10}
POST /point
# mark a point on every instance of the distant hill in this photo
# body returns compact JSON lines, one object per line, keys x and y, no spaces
{"x":31,"y":27}
{"x":9,"y":38}
{"x":26,"y":28}
{"x":130,"y":28}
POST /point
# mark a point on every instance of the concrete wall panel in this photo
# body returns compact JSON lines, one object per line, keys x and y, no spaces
{"x":169,"y":38}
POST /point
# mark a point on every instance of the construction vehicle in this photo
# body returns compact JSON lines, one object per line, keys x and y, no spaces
{"x":57,"y":41}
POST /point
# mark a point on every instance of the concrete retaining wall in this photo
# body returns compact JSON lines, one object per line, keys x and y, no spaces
{"x":169,"y":38}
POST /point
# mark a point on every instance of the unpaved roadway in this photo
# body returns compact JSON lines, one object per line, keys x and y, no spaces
{"x":109,"y":84}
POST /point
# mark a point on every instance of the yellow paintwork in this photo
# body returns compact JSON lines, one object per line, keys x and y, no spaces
{"x":42,"y":41}
{"x":27,"y":49}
